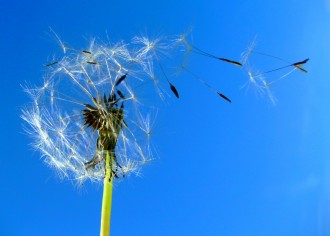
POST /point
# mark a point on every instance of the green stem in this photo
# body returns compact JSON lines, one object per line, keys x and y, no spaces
{"x":107,"y":196}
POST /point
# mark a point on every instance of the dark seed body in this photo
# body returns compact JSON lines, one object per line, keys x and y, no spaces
{"x":121,"y":95}
{"x":300,"y":63}
{"x":121,"y":79}
{"x":224,"y":97}
{"x":174,"y":90}
{"x":230,"y":61}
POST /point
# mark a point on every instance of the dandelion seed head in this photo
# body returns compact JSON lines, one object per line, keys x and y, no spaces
{"x":88,"y":105}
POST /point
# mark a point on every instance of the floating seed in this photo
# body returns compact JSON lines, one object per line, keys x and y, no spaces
{"x":174,"y":90}
{"x":230,"y":61}
{"x":224,"y":97}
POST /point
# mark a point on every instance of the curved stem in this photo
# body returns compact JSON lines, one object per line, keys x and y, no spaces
{"x":107,"y":196}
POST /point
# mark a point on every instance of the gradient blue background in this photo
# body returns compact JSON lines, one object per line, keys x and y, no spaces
{"x":246,"y":168}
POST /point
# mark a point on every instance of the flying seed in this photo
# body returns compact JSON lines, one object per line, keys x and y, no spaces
{"x":299,"y":64}
{"x":224,"y":97}
{"x":121,"y":79}
{"x":230,"y":61}
{"x":174,"y":90}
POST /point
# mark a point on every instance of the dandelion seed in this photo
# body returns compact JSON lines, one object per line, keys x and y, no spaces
{"x":121,"y":79}
{"x":174,"y":90}
{"x":296,"y":64}
{"x":236,"y":63}
{"x":206,"y":84}
{"x":257,"y":80}
{"x":121,"y":95}
{"x":299,"y":64}
{"x":224,"y":97}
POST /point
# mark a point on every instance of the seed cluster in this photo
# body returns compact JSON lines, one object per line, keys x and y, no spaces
{"x":107,"y":119}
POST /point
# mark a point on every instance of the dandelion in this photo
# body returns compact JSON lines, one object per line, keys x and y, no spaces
{"x":87,"y":118}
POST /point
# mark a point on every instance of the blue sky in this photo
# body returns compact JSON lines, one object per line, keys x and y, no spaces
{"x":245,"y":168}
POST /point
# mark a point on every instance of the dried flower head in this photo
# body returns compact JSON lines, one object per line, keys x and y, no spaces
{"x":89,"y":105}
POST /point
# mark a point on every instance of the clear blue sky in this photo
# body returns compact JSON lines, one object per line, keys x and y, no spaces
{"x":245,"y":168}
